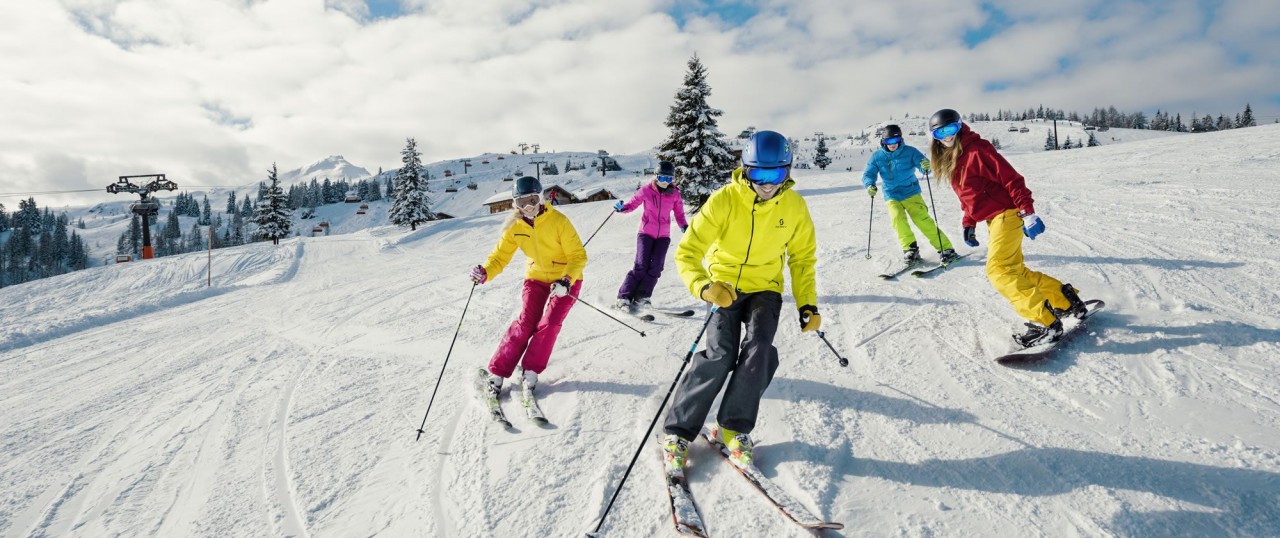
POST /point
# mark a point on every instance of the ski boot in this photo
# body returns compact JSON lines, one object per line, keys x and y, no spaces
{"x":675,"y":454}
{"x":528,"y":379}
{"x":1039,"y":334}
{"x":739,"y":445}
{"x":947,"y":256}
{"x":624,"y":304}
{"x":642,"y":304}
{"x":911,"y":255}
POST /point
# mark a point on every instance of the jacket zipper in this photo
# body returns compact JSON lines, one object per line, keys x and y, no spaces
{"x":751,"y":239}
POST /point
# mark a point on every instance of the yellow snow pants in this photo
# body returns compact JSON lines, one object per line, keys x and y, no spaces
{"x":1025,"y":289}
{"x":919,"y":213}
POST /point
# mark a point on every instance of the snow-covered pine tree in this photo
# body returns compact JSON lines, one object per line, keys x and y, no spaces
{"x":696,"y":146}
{"x":411,"y":205}
{"x":820,"y":159}
{"x":1049,"y":143}
{"x":1246,"y":117}
{"x":272,"y":216}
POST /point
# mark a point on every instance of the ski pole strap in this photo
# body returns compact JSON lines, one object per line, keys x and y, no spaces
{"x":843,"y":361}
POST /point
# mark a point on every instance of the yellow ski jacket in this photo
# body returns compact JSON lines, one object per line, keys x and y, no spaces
{"x":736,"y":239}
{"x":551,"y":244}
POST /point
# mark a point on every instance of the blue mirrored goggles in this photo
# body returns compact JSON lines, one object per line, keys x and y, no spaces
{"x":767,"y":176}
{"x":947,"y":130}
{"x":666,"y":179}
{"x":892,"y":141}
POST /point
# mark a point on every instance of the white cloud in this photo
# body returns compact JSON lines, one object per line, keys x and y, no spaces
{"x":213,"y":91}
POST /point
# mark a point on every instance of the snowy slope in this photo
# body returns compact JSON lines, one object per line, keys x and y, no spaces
{"x":283,"y":400}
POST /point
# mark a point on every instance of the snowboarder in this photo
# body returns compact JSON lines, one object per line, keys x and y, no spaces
{"x":743,"y":233}
{"x":661,"y":199}
{"x":896,"y":164}
{"x":552,"y":279}
{"x":990,"y":190}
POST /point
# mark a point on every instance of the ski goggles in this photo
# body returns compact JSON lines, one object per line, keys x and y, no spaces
{"x":666,"y":179}
{"x":892,"y":141}
{"x":767,"y":176}
{"x":528,"y":200}
{"x":947,"y":130}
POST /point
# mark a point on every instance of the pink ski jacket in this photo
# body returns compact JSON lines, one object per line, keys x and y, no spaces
{"x":658,"y":207}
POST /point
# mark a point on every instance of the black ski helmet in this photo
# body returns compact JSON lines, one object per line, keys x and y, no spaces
{"x":525,"y":186}
{"x":942,"y":117}
{"x":890,"y":131}
{"x":665,"y":168}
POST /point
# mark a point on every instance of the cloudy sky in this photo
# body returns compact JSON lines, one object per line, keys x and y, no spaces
{"x":211,"y":92}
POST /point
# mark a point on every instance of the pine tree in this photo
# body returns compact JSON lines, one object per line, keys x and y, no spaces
{"x":820,"y":159}
{"x":1049,"y":143}
{"x":696,"y":146}
{"x":231,"y":202}
{"x":1246,"y":118}
{"x":1093,"y":141}
{"x":273,"y":212}
{"x":411,"y":205}
{"x":206,"y":214}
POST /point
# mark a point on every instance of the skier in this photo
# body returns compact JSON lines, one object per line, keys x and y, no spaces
{"x":556,"y":260}
{"x":743,"y":233}
{"x":896,"y":164}
{"x":991,"y":190}
{"x":660,"y":198}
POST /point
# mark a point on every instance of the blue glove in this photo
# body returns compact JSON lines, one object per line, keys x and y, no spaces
{"x":971,"y":236}
{"x":684,"y":229}
{"x":617,"y":206}
{"x":1032,"y":226}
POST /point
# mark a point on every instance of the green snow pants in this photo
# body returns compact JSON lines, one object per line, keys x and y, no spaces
{"x":919,"y":213}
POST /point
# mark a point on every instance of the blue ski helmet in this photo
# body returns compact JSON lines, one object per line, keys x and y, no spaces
{"x":525,"y":186}
{"x":767,"y":149}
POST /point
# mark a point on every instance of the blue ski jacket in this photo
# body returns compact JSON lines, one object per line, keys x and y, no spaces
{"x":897,"y":170}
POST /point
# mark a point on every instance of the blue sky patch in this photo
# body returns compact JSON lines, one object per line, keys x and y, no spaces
{"x":733,"y":13}
{"x":384,"y":9}
{"x":995,"y":23}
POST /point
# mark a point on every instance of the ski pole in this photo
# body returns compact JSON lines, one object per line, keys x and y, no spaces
{"x":575,"y":297}
{"x":593,"y":234}
{"x":936,"y":225}
{"x":446,"y":360}
{"x":843,"y":361}
{"x":654,"y":422}
{"x":870,"y":214}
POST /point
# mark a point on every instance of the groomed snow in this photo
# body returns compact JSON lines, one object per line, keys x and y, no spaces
{"x":283,"y":399}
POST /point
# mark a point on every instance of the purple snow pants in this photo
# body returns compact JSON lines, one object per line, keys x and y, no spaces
{"x":651,"y":254}
{"x":532,"y":335}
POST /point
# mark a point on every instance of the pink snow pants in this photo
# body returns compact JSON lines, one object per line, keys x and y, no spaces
{"x":534,"y":332}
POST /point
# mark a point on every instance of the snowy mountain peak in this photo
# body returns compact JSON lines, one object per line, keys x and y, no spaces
{"x":334,"y":167}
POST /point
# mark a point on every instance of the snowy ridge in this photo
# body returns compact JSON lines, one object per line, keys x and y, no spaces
{"x":284,"y":399}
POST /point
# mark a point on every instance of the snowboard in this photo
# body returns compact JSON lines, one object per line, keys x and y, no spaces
{"x":1047,"y":351}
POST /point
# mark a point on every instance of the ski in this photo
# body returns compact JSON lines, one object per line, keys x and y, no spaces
{"x":1046,"y":351}
{"x":677,"y":313}
{"x":890,"y":275}
{"x":489,"y":399}
{"x":922,"y":272}
{"x":788,"y":505}
{"x":530,"y":401}
{"x":684,"y":512}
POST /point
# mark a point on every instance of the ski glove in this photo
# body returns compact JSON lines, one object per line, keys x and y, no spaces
{"x":479,"y":275}
{"x":684,"y":229}
{"x":810,"y":320}
{"x":560,"y":288}
{"x":1032,"y":226}
{"x":719,"y":293}
{"x":617,"y":206}
{"x":872,"y":191}
{"x":971,"y":236}
{"x":924,"y":165}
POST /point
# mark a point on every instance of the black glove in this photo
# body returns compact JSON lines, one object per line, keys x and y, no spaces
{"x":560,"y":288}
{"x":971,"y":236}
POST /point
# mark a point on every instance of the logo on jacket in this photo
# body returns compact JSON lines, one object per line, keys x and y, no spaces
{"x":782,"y":223}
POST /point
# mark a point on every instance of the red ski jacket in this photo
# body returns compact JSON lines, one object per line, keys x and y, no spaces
{"x":985,"y":182}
